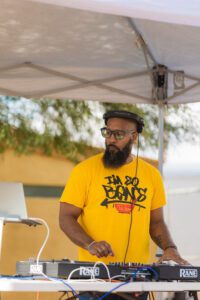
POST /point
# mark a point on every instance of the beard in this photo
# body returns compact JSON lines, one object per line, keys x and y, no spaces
{"x":114,"y":157}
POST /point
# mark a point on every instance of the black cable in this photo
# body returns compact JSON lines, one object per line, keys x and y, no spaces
{"x":131,"y":219}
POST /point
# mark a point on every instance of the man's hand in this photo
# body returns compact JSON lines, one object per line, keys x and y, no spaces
{"x":100,"y":249}
{"x":173,"y":254}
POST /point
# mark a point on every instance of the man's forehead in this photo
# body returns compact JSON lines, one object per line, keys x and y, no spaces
{"x":120,"y":123}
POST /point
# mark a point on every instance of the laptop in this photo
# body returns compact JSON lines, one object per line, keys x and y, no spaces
{"x":13,"y":204}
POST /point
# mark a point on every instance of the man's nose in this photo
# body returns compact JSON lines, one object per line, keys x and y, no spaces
{"x":112,"y":138}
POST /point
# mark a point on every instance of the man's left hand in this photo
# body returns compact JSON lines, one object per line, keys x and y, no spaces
{"x":173,"y":254}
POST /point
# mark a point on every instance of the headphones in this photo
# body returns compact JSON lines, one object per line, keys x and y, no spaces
{"x":123,"y":114}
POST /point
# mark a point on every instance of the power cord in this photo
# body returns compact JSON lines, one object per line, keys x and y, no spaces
{"x":39,"y":270}
{"x":45,"y":241}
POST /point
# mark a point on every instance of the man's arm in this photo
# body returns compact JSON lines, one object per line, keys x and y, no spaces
{"x":161,"y":236}
{"x":68,"y":217}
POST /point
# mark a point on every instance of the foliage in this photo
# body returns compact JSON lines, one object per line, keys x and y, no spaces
{"x":46,"y":125}
{"x":68,"y":127}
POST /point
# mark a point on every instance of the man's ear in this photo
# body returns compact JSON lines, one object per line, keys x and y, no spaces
{"x":135,"y":137}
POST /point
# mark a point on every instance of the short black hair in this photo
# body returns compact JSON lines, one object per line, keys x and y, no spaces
{"x":124,"y":114}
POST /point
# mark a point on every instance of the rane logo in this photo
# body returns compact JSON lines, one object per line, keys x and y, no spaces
{"x":188,"y":273}
{"x":88,"y":271}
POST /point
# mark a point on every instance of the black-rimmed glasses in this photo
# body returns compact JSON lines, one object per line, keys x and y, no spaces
{"x":118,"y":134}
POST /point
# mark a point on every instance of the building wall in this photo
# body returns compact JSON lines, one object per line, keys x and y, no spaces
{"x":21,"y":242}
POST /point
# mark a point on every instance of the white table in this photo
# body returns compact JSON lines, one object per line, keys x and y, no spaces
{"x":16,"y":285}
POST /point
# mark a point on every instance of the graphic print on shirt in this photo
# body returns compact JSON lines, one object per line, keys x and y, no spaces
{"x":124,"y":194}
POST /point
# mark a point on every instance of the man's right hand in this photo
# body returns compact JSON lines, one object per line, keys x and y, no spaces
{"x":100,"y":249}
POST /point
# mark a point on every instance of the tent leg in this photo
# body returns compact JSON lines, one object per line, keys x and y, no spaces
{"x":161,"y":138}
{"x":160,"y":164}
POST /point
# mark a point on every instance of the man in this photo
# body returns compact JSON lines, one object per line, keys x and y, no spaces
{"x":118,"y":199}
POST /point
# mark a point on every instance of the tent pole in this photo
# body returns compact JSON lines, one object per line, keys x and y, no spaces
{"x":161,"y":138}
{"x":160,"y":162}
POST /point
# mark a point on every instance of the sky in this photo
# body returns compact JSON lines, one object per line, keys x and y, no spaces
{"x":181,"y":156}
{"x":184,"y":156}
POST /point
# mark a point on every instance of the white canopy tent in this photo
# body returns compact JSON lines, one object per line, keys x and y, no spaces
{"x":142,"y":51}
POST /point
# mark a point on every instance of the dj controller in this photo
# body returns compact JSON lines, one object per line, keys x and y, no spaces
{"x":127,"y":271}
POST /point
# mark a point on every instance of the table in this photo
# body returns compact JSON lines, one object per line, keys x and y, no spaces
{"x":16,"y":285}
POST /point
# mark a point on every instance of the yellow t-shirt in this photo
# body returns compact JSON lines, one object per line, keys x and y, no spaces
{"x":106,"y":196}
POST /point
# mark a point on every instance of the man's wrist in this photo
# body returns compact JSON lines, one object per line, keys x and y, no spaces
{"x":170,"y":246}
{"x":87,"y":247}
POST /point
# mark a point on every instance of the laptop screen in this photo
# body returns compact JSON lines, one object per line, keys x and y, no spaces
{"x":12,"y":200}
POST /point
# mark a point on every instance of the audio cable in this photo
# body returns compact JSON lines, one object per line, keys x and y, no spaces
{"x":132,"y":203}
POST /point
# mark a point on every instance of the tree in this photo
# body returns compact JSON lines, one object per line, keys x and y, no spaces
{"x":67,"y":127}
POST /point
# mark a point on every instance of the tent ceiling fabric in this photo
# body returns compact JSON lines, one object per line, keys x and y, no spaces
{"x":58,"y":51}
{"x":172,"y":11}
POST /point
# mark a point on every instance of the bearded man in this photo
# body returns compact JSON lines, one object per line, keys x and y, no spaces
{"x":113,"y":202}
